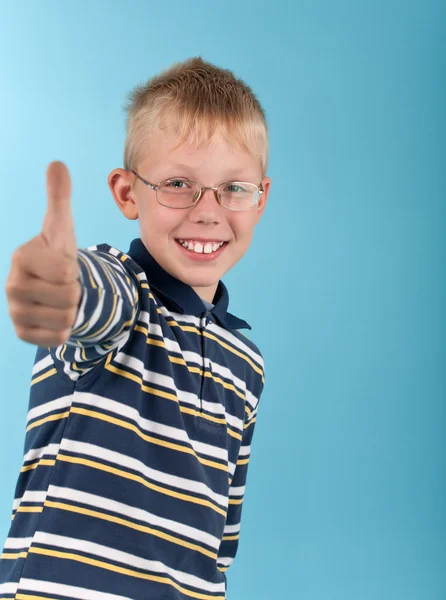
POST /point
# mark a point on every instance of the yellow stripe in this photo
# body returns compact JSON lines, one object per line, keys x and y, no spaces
{"x":139,"y":479}
{"x":234,"y":351}
{"x":109,"y":320}
{"x":196,"y":413}
{"x":90,"y":274}
{"x":40,"y":378}
{"x":191,"y":329}
{"x":146,"y":437}
{"x":236,"y":501}
{"x":243,"y":461}
{"x":14,"y":556}
{"x":127,"y":523}
{"x":180,"y":361}
{"x":45,"y":462}
{"x":230,"y":538}
{"x":105,"y":268}
{"x":31,"y":597}
{"x":29,"y":509}
{"x":122,"y":570}
{"x":55,"y":417}
{"x":222,"y":569}
{"x":168,"y":396}
{"x":250,"y":423}
{"x":233,"y":434}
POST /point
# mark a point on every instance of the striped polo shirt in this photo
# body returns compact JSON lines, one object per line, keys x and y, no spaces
{"x":137,"y":444}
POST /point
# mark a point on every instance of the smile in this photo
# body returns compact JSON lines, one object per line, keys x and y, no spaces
{"x":201,"y":251}
{"x":201,"y":247}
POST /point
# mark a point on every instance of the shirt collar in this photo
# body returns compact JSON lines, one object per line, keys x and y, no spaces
{"x":178,"y":295}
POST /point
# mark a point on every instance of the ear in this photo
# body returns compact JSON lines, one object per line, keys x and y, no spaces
{"x":121,"y":182}
{"x":266,"y":184}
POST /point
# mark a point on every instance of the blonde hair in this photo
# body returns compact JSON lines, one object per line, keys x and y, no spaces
{"x":203,"y":103}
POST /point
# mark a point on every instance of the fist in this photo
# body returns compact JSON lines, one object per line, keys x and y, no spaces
{"x":42,"y":288}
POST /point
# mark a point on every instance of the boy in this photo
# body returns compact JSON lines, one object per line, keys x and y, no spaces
{"x":144,"y":394}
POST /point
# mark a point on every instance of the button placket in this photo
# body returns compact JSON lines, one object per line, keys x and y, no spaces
{"x":203,"y":323}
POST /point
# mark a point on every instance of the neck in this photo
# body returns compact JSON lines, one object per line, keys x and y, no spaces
{"x":206,"y":293}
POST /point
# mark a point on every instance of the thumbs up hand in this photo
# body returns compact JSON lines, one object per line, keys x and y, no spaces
{"x":42,"y":288}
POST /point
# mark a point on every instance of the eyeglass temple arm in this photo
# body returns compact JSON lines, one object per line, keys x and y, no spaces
{"x":144,"y":180}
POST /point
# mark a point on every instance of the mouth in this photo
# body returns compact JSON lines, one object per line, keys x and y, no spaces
{"x":204,"y":250}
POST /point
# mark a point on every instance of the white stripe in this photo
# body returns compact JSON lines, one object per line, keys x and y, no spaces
{"x":59,"y":403}
{"x":95,"y":317}
{"x":8,"y":588}
{"x":42,"y":364}
{"x":35,"y":453}
{"x":144,"y":318}
{"x":217,"y":330}
{"x":133,"y":512}
{"x":81,"y":310}
{"x":61,"y":589}
{"x":224,"y":562}
{"x":195,"y":359}
{"x":168,"y":382}
{"x":230,"y":337}
{"x":232,"y":529}
{"x":36,"y":497}
{"x":237,"y":491}
{"x":107,"y":553}
{"x":244,"y":451}
{"x":188,"y":320}
{"x":226,"y":373}
{"x":123,"y":460}
{"x":174,"y":433}
{"x":141,"y":276}
{"x":16,"y":543}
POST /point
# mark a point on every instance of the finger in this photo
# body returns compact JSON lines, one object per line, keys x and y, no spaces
{"x":36,"y":315}
{"x":42,"y":337}
{"x":36,"y":260}
{"x":58,"y":227}
{"x":36,"y":291}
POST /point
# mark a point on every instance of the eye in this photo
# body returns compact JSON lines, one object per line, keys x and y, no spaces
{"x":234,"y":188}
{"x":178,"y":184}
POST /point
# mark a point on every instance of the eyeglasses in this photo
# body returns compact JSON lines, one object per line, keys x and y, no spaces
{"x":182,"y":193}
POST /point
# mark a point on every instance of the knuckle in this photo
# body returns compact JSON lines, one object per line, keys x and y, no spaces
{"x":67,"y":320}
{"x":22,"y":333}
{"x":62,"y":336}
{"x":65,"y":270}
{"x":12,"y":287}
{"x":74,"y":295}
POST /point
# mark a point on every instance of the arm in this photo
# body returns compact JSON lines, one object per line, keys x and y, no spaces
{"x":231,"y":535}
{"x":106,"y":313}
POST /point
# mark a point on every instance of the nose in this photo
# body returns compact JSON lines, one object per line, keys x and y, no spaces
{"x":207,"y":210}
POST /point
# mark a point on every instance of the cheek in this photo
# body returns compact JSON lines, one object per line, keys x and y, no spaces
{"x":158,"y":220}
{"x":243,"y":227}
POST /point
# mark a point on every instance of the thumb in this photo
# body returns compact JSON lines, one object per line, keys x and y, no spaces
{"x":58,"y":226}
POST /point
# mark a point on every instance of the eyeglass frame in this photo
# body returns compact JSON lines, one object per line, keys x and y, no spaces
{"x":155,"y":187}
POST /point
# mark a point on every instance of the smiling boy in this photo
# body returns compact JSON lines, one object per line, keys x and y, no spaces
{"x":144,"y":394}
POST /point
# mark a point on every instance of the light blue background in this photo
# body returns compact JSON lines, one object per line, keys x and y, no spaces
{"x":345,"y":281}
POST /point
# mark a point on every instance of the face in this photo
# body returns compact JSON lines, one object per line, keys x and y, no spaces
{"x":205,"y":223}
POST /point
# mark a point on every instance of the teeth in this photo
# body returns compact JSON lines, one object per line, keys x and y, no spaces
{"x":199,"y":247}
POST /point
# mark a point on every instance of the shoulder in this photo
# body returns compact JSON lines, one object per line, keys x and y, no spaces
{"x":120,"y":259}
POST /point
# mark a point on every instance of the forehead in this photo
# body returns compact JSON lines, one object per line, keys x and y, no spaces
{"x":163,"y":150}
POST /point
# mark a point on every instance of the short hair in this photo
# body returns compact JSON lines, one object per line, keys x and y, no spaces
{"x":202,"y":102}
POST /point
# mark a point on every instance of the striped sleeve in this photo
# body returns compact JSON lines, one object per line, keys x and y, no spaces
{"x":231,"y":535}
{"x":106,"y":313}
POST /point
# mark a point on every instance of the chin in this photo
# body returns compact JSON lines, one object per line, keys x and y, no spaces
{"x":198,"y":282}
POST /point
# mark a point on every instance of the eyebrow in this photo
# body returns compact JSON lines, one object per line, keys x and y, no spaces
{"x":231,"y":175}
